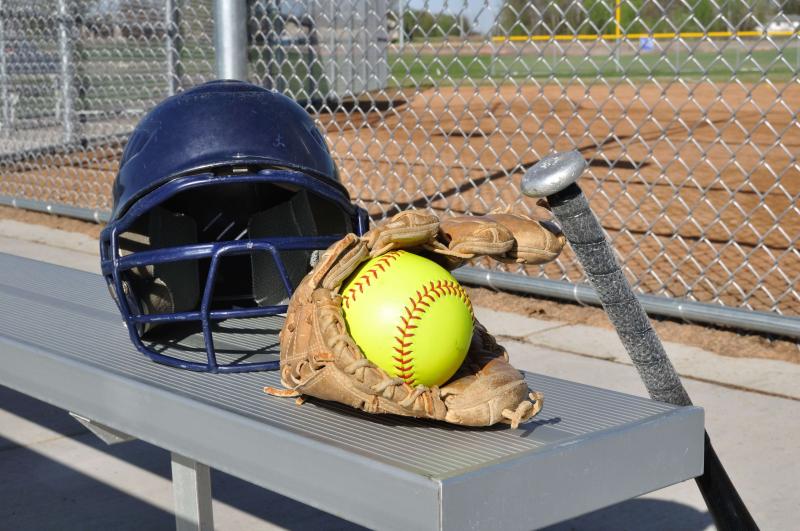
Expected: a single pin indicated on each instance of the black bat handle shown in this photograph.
(594, 252)
(721, 497)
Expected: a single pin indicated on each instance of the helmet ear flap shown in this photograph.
(167, 287)
(285, 219)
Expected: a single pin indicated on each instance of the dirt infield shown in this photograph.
(656, 152)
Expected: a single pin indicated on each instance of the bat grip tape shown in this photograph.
(595, 254)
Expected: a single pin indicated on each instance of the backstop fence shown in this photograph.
(687, 112)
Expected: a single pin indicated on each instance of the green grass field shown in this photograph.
(119, 76)
(427, 69)
(410, 70)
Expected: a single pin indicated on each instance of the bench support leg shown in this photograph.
(191, 486)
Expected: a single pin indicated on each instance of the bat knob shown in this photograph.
(552, 174)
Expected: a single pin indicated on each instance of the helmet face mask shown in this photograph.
(203, 253)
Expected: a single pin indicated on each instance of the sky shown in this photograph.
(481, 13)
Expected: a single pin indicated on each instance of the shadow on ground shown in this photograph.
(42, 494)
(640, 513)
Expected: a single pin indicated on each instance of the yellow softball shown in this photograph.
(409, 316)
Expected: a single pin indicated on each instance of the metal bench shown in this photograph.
(62, 341)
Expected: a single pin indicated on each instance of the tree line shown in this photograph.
(421, 24)
(595, 17)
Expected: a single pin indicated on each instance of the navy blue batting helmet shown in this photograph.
(223, 194)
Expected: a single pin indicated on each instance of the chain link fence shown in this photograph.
(687, 112)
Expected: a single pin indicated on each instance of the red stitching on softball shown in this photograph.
(414, 311)
(364, 280)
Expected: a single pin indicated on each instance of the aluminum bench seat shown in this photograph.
(62, 341)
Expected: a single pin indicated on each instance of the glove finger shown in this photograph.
(535, 242)
(408, 229)
(338, 262)
(470, 236)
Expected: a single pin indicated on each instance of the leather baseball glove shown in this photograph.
(320, 359)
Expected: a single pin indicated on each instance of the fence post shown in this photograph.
(174, 45)
(230, 38)
(66, 26)
(5, 126)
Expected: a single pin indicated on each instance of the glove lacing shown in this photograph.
(525, 410)
(341, 340)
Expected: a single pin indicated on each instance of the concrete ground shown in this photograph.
(56, 475)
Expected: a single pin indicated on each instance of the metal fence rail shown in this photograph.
(686, 111)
